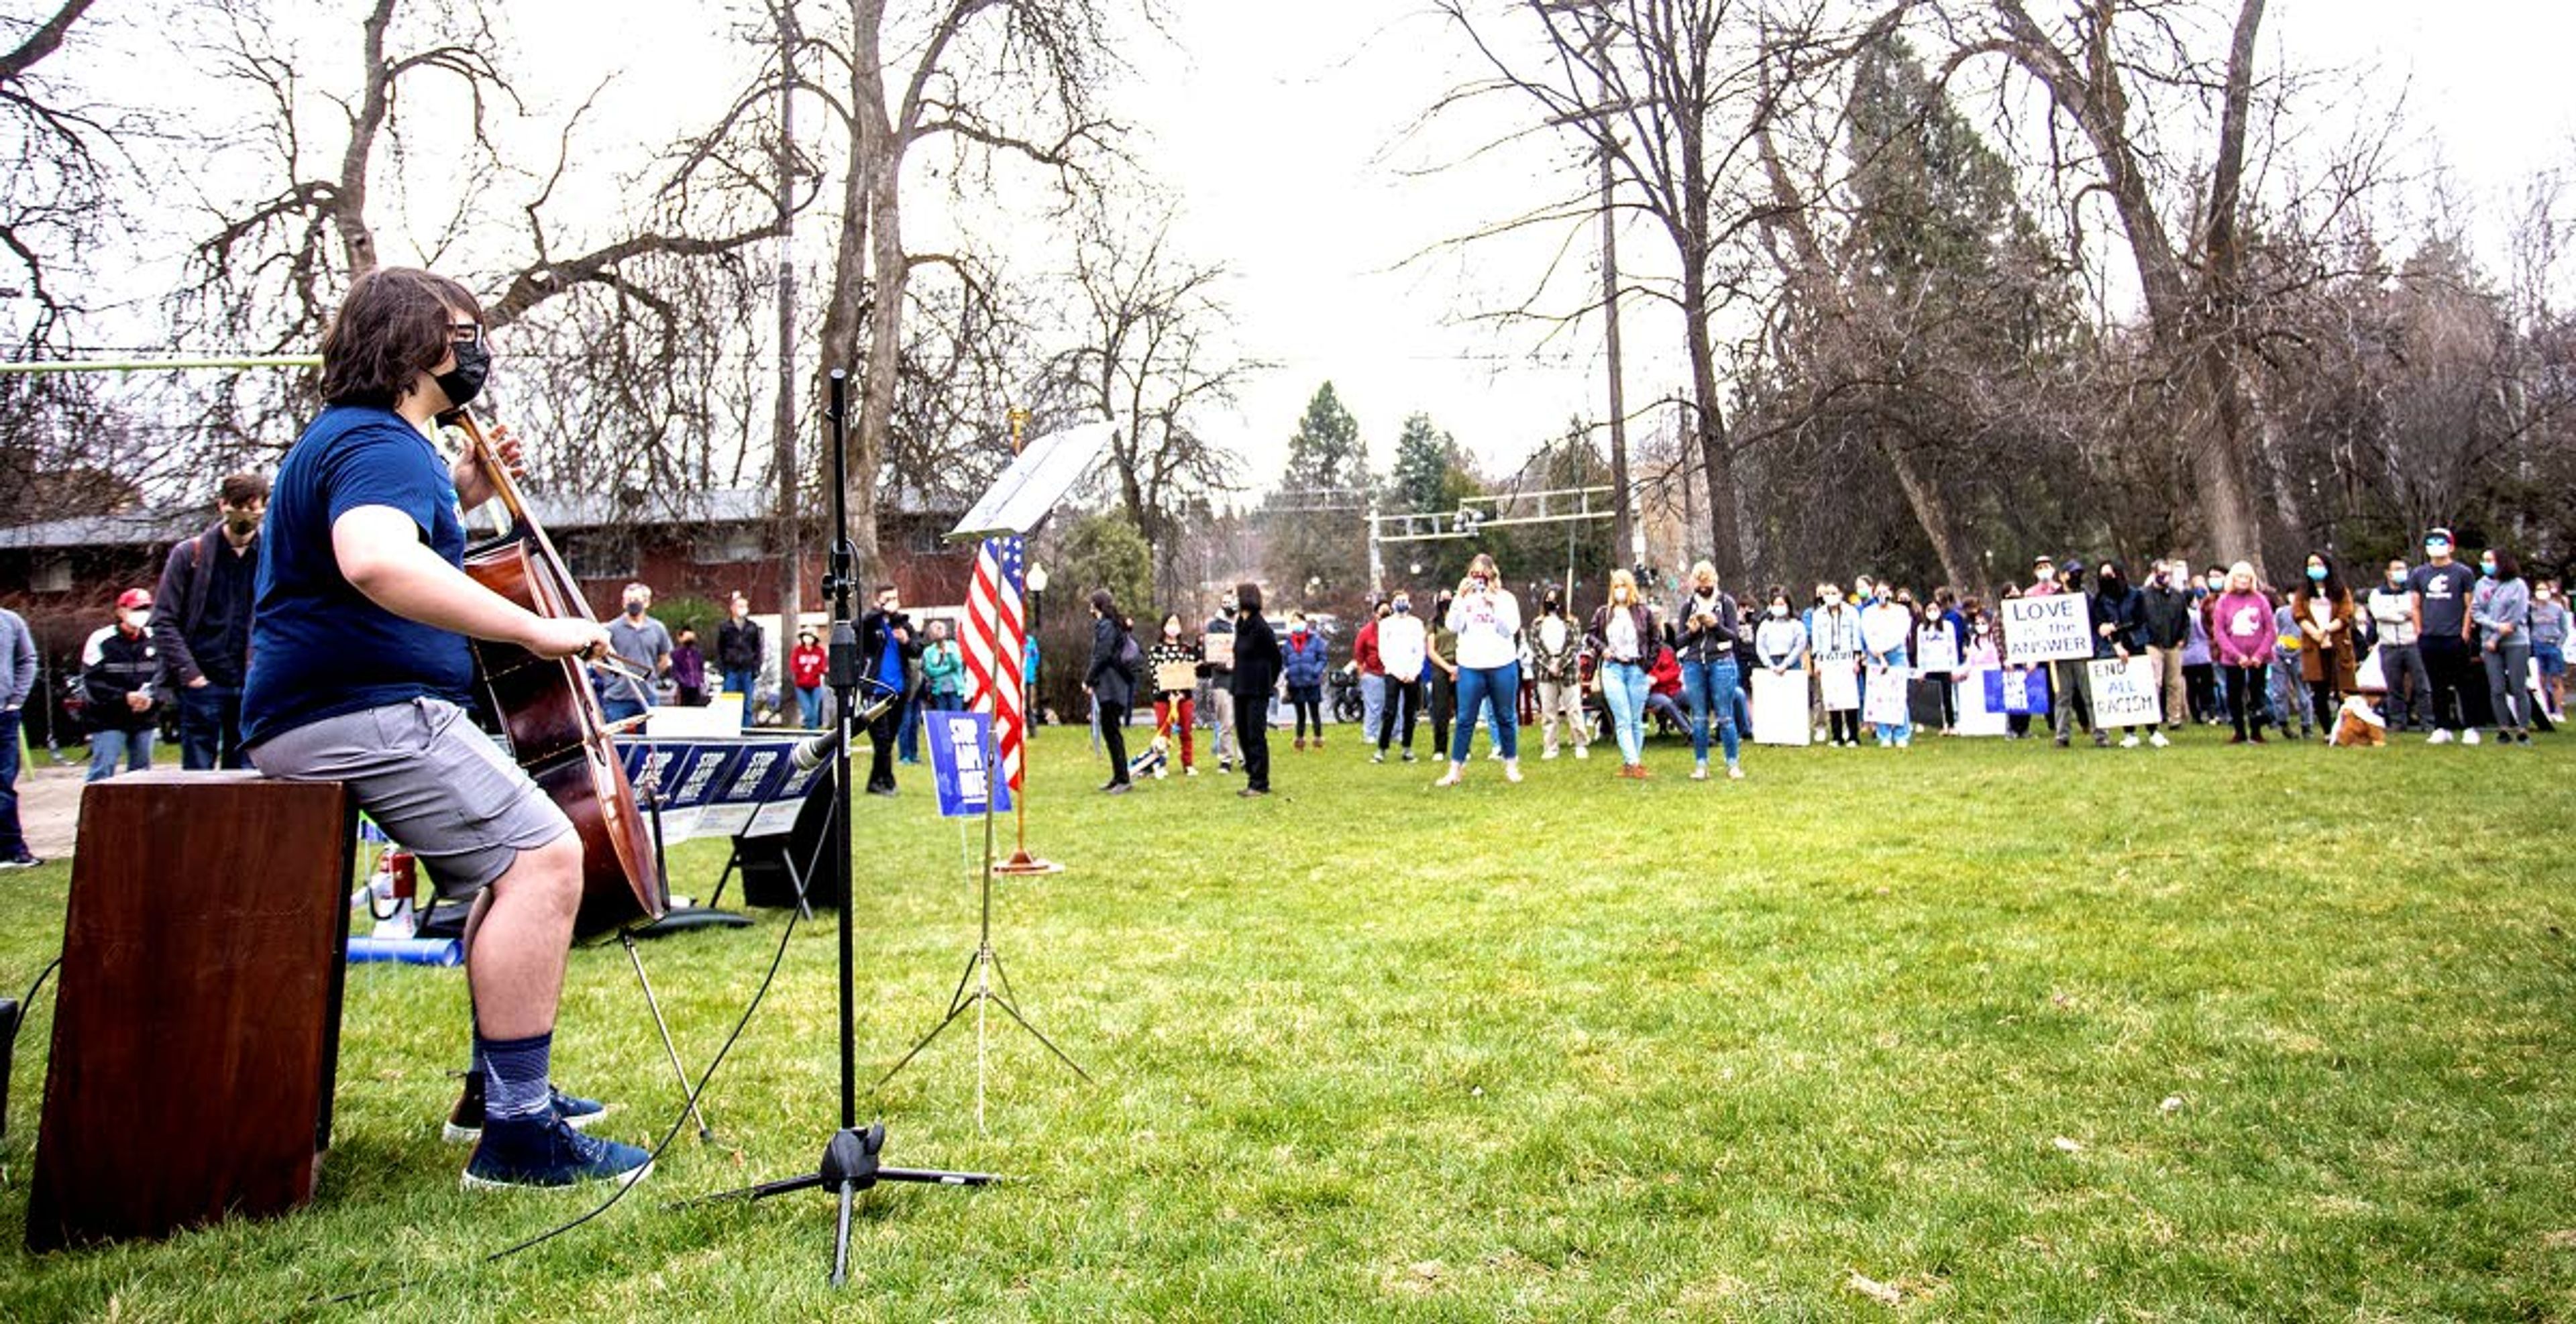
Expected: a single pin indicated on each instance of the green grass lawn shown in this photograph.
(1971, 1031)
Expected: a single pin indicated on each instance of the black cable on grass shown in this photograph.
(776, 960)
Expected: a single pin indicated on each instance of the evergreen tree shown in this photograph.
(1318, 555)
(1425, 457)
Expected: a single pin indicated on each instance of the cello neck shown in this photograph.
(505, 489)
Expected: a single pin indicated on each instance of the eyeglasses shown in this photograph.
(465, 333)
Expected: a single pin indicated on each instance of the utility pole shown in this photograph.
(1624, 528)
(789, 527)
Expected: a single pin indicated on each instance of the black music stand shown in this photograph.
(850, 1157)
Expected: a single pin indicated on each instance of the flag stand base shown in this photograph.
(1022, 863)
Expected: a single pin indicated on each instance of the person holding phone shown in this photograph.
(1487, 619)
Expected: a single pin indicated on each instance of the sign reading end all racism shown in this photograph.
(2048, 628)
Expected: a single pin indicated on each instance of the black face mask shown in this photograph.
(465, 381)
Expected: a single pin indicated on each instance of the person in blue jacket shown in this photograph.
(1304, 654)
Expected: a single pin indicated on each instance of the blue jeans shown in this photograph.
(1501, 688)
(13, 841)
(907, 729)
(809, 702)
(107, 747)
(744, 682)
(210, 728)
(1710, 690)
(1372, 707)
(1624, 686)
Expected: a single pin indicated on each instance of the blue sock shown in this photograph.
(514, 1076)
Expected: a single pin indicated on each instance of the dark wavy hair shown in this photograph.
(392, 327)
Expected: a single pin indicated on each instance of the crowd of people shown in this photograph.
(2435, 647)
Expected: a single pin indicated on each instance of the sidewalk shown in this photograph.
(49, 806)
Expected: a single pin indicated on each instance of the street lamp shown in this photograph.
(1037, 578)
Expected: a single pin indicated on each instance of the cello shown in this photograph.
(546, 708)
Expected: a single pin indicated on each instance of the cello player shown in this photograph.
(360, 673)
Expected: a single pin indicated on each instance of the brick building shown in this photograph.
(64, 575)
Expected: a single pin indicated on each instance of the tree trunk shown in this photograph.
(1959, 563)
(1623, 527)
(861, 288)
(1708, 423)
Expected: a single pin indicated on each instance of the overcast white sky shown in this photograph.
(1278, 130)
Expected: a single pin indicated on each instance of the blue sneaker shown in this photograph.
(546, 1154)
(465, 1120)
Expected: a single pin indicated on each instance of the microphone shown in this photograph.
(810, 755)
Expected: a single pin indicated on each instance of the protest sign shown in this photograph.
(1936, 653)
(1884, 700)
(960, 744)
(2017, 693)
(1976, 716)
(2125, 693)
(1780, 708)
(1839, 683)
(2048, 628)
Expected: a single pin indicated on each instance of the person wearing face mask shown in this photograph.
(1834, 645)
(2242, 634)
(1486, 619)
(2440, 590)
(361, 674)
(1943, 629)
(887, 649)
(1174, 657)
(1556, 670)
(807, 664)
(2164, 606)
(2391, 607)
(119, 665)
(1886, 628)
(943, 672)
(1780, 641)
(1371, 669)
(2500, 608)
(1216, 641)
(1305, 661)
(738, 653)
(645, 644)
(2549, 644)
(1404, 650)
(1110, 680)
(2119, 616)
(2065, 675)
(1706, 646)
(1256, 671)
(1622, 639)
(202, 624)
(2328, 651)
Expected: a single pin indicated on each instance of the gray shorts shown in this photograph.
(435, 783)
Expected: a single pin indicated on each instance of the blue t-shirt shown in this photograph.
(319, 647)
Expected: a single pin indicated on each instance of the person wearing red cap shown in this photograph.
(118, 666)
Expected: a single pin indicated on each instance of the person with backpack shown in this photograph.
(1111, 682)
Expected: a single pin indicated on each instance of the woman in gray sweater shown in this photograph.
(2500, 607)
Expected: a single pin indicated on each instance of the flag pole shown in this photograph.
(1021, 862)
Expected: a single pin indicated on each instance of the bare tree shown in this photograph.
(1675, 91)
(269, 274)
(1152, 357)
(2187, 243)
(992, 77)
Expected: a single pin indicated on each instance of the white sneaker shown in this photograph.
(1548, 753)
(1699, 772)
(2129, 741)
(1905, 742)
(1511, 770)
(2440, 736)
(2469, 737)
(1583, 751)
(1820, 736)
(2158, 740)
(1734, 773)
(1190, 771)
(1161, 774)
(1449, 778)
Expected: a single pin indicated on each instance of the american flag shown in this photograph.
(996, 635)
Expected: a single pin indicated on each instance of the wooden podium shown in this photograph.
(198, 1020)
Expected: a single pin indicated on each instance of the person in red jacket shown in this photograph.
(805, 667)
(1664, 690)
(1371, 668)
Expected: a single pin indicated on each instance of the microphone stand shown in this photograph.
(850, 1163)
